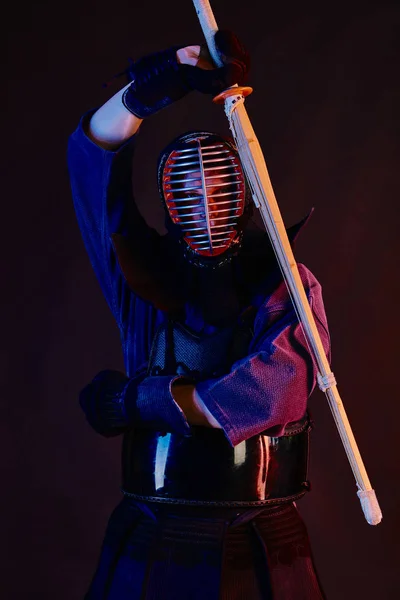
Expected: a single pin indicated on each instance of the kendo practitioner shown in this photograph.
(213, 404)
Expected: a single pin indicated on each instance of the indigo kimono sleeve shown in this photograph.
(270, 387)
(113, 403)
(102, 193)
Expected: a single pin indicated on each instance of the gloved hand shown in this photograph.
(235, 69)
(158, 79)
(109, 402)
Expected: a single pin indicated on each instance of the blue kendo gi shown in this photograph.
(169, 549)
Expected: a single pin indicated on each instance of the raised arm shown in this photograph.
(100, 155)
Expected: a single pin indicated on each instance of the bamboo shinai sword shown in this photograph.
(263, 196)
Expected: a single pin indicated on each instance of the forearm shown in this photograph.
(112, 124)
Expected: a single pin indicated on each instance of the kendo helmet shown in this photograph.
(203, 188)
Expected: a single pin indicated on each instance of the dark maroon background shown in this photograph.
(325, 109)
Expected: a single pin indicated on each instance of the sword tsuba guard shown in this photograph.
(233, 91)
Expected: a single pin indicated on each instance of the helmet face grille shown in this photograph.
(204, 191)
